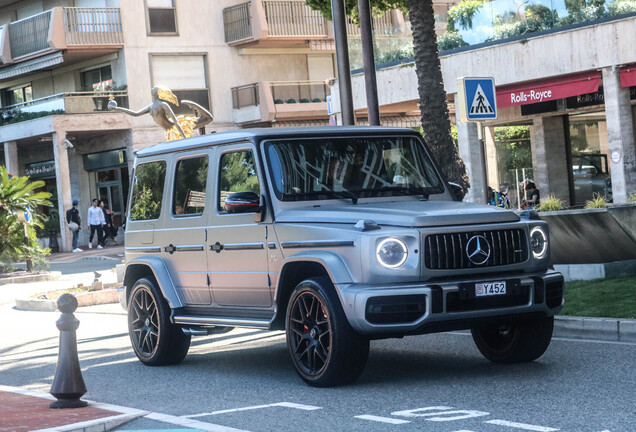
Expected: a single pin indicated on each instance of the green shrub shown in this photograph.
(304, 100)
(278, 101)
(618, 7)
(316, 100)
(290, 101)
(450, 40)
(552, 203)
(598, 201)
(631, 197)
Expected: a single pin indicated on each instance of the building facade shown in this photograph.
(565, 78)
(250, 63)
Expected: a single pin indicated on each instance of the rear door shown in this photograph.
(184, 239)
(237, 253)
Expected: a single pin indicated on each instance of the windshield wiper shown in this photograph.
(353, 196)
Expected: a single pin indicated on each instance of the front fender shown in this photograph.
(137, 268)
(334, 264)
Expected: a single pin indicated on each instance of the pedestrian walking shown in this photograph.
(74, 222)
(96, 221)
(110, 230)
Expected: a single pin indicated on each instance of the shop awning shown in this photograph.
(628, 76)
(546, 90)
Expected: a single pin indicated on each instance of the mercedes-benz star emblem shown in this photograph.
(478, 250)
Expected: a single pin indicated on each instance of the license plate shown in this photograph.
(490, 289)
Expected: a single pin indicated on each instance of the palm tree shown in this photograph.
(435, 117)
(17, 194)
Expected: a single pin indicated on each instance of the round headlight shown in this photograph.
(392, 252)
(538, 242)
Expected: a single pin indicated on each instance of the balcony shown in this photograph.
(81, 32)
(289, 24)
(62, 103)
(269, 101)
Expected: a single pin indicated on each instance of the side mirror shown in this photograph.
(456, 191)
(242, 202)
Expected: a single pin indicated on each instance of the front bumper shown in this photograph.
(394, 310)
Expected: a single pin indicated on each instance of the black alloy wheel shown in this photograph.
(155, 340)
(311, 333)
(515, 342)
(324, 348)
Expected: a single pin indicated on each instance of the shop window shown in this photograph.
(162, 17)
(238, 174)
(148, 191)
(190, 186)
(99, 79)
(185, 75)
(513, 167)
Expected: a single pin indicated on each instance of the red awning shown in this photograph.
(546, 90)
(628, 77)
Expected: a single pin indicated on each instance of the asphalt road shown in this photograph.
(244, 380)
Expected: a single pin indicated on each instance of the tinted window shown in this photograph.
(238, 174)
(147, 192)
(314, 169)
(189, 186)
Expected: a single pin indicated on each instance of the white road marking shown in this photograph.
(382, 419)
(521, 426)
(194, 424)
(255, 407)
(442, 414)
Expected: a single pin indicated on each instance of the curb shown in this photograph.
(44, 277)
(604, 329)
(90, 298)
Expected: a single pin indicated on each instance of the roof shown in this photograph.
(259, 134)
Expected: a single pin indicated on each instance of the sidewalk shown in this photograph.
(25, 410)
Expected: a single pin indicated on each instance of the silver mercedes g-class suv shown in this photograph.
(337, 235)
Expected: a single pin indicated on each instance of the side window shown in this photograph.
(237, 174)
(147, 192)
(189, 186)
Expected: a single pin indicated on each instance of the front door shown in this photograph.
(237, 253)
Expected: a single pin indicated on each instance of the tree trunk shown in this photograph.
(430, 86)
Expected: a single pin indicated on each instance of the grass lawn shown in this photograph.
(611, 298)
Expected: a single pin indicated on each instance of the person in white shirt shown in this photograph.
(96, 221)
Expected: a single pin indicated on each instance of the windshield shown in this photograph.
(320, 169)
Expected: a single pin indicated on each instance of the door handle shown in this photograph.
(216, 247)
(170, 249)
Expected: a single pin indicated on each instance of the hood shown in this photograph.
(401, 213)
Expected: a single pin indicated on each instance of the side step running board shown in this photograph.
(226, 322)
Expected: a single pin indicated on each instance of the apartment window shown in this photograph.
(185, 75)
(162, 17)
(19, 94)
(97, 79)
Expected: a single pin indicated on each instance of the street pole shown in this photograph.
(370, 83)
(342, 59)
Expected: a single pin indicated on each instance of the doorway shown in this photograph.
(112, 187)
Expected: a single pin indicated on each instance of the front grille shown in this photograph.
(448, 251)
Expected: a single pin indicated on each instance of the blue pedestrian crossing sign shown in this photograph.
(476, 99)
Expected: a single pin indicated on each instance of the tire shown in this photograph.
(155, 340)
(324, 348)
(519, 342)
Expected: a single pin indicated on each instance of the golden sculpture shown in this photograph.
(176, 127)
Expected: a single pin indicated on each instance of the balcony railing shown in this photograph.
(62, 28)
(299, 91)
(93, 26)
(293, 18)
(245, 96)
(288, 19)
(30, 35)
(237, 22)
(62, 103)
